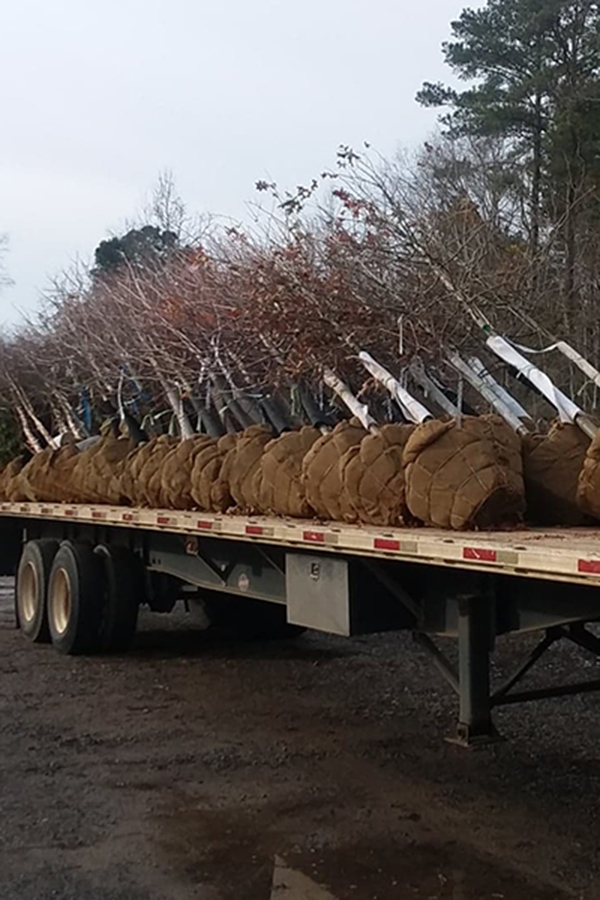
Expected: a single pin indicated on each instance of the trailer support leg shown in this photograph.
(475, 726)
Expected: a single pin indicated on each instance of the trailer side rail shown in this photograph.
(570, 555)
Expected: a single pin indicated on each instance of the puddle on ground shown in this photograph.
(262, 856)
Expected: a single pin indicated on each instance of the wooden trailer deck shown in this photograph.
(568, 554)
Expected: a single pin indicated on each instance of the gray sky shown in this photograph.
(97, 98)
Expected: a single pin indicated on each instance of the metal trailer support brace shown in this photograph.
(475, 727)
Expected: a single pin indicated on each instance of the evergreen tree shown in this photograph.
(534, 66)
(10, 441)
(137, 246)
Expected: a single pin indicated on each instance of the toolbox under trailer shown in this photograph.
(83, 570)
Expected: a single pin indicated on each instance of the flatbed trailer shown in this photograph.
(83, 570)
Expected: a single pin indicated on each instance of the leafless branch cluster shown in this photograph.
(401, 258)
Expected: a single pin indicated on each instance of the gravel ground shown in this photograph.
(194, 767)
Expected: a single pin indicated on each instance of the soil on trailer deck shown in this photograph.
(201, 767)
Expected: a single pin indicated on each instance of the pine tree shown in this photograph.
(534, 68)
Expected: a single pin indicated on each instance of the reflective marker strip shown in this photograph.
(386, 544)
(163, 520)
(98, 514)
(259, 531)
(70, 512)
(127, 517)
(479, 553)
(320, 537)
(590, 566)
(204, 524)
(315, 537)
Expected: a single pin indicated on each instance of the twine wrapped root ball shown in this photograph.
(149, 477)
(467, 476)
(242, 464)
(209, 486)
(176, 472)
(97, 476)
(588, 488)
(372, 474)
(279, 487)
(321, 468)
(130, 472)
(48, 476)
(10, 481)
(552, 464)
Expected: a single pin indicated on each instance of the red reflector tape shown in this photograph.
(254, 529)
(201, 523)
(69, 512)
(591, 566)
(163, 520)
(96, 514)
(127, 517)
(386, 544)
(316, 537)
(479, 553)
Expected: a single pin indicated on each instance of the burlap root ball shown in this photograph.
(241, 466)
(321, 468)
(176, 472)
(279, 487)
(97, 475)
(149, 477)
(10, 481)
(209, 487)
(372, 475)
(552, 464)
(588, 488)
(130, 471)
(465, 476)
(48, 476)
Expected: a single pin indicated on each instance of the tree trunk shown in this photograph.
(536, 178)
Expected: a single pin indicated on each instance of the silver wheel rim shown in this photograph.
(29, 593)
(61, 602)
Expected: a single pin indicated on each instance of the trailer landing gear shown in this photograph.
(477, 699)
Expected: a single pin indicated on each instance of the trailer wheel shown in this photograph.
(123, 588)
(32, 588)
(75, 599)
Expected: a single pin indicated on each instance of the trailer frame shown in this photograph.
(343, 579)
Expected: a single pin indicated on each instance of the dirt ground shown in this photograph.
(197, 767)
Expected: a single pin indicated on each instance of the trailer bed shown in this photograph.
(567, 554)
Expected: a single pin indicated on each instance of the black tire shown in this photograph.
(123, 588)
(75, 595)
(31, 592)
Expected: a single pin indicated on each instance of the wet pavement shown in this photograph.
(200, 767)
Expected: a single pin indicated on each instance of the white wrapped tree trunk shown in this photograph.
(487, 393)
(411, 408)
(358, 409)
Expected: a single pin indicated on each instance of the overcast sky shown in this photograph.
(97, 98)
